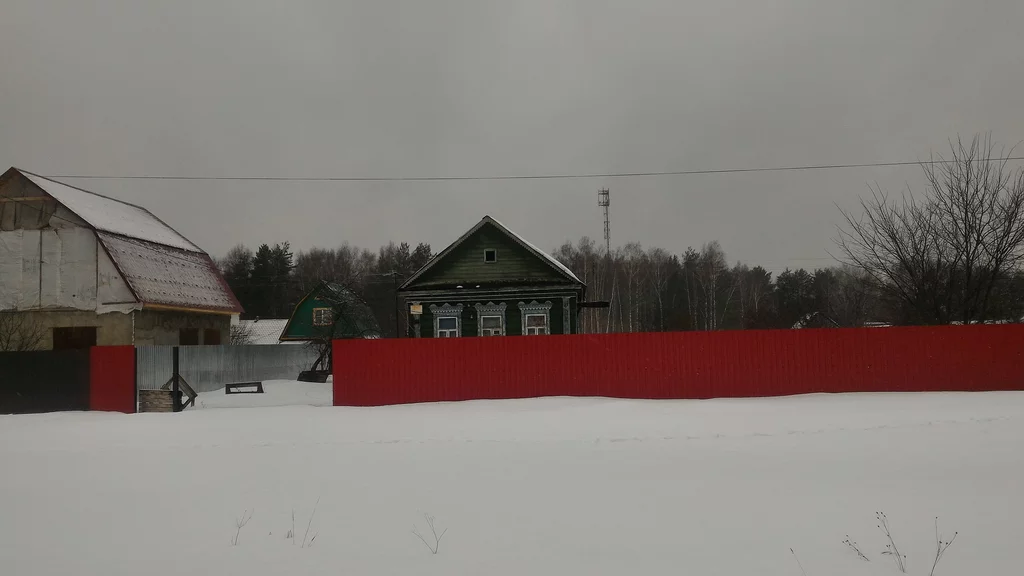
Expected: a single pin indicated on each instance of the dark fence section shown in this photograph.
(681, 364)
(44, 381)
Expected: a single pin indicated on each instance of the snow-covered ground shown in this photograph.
(552, 486)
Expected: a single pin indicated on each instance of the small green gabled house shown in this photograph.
(313, 317)
(492, 282)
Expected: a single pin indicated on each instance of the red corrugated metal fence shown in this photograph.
(112, 379)
(680, 364)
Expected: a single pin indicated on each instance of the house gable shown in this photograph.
(465, 263)
(301, 327)
(64, 247)
(26, 206)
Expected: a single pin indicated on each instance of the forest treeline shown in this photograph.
(950, 252)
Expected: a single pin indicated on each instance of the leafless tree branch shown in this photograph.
(943, 255)
(18, 333)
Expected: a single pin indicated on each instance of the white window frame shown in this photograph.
(533, 330)
(320, 323)
(499, 331)
(447, 311)
(447, 332)
(535, 308)
(486, 250)
(490, 310)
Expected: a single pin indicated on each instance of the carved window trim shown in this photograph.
(447, 311)
(535, 308)
(490, 309)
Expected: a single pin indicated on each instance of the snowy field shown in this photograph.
(535, 487)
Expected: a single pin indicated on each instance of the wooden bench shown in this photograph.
(244, 388)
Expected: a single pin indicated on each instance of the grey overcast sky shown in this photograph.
(481, 88)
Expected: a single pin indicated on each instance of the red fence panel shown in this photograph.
(112, 379)
(680, 364)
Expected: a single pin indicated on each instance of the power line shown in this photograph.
(515, 176)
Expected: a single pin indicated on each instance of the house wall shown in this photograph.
(141, 328)
(49, 258)
(563, 307)
(113, 329)
(162, 327)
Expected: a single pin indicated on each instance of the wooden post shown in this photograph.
(175, 386)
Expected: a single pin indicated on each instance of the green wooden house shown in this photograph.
(313, 317)
(492, 282)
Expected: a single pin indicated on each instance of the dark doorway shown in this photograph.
(211, 337)
(76, 338)
(188, 337)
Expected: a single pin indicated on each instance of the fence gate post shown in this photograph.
(175, 386)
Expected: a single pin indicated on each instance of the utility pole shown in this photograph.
(604, 200)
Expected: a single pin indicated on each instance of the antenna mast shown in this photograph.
(603, 200)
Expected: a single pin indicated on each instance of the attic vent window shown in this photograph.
(490, 255)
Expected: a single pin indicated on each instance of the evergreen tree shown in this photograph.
(262, 279)
(282, 296)
(795, 292)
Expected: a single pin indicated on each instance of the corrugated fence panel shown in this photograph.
(208, 368)
(680, 365)
(112, 379)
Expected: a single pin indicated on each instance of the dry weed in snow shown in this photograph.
(433, 532)
(940, 546)
(853, 546)
(240, 523)
(890, 548)
(802, 571)
(308, 543)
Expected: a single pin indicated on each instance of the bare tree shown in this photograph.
(711, 270)
(18, 333)
(660, 264)
(633, 264)
(943, 257)
(242, 334)
(350, 317)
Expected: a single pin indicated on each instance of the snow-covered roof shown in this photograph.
(562, 268)
(165, 276)
(111, 215)
(263, 331)
(815, 320)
